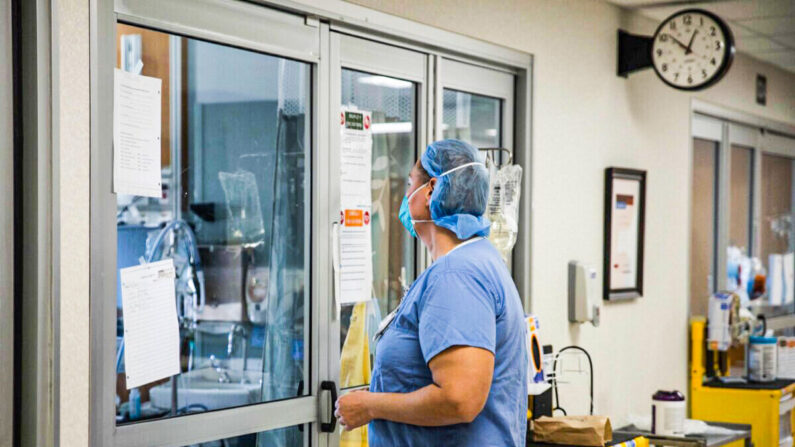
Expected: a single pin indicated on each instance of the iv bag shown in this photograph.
(244, 223)
(505, 188)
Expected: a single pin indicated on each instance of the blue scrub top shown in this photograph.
(466, 298)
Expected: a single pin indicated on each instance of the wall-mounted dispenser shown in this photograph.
(584, 295)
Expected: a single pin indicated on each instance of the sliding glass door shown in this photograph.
(237, 216)
(390, 85)
(741, 214)
(477, 105)
(252, 109)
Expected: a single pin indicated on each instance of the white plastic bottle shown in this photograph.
(135, 404)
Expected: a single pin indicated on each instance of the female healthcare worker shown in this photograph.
(451, 362)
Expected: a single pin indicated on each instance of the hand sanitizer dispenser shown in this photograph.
(583, 294)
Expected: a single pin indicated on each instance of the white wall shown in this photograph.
(585, 119)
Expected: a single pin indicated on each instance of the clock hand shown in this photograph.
(690, 44)
(678, 42)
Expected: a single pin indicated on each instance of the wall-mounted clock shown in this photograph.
(691, 50)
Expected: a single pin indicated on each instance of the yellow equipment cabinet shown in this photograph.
(767, 407)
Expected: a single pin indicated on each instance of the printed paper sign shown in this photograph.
(136, 135)
(624, 243)
(355, 243)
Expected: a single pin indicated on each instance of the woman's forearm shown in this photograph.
(429, 406)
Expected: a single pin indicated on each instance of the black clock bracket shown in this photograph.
(634, 53)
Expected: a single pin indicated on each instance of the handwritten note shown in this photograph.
(151, 329)
(136, 135)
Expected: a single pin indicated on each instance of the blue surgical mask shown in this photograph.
(405, 214)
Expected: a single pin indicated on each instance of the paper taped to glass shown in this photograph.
(355, 240)
(151, 327)
(136, 135)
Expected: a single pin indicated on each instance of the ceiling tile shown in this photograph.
(728, 10)
(761, 44)
(636, 3)
(781, 58)
(659, 13)
(770, 25)
(746, 9)
(786, 39)
(738, 30)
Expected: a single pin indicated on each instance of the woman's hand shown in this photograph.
(352, 409)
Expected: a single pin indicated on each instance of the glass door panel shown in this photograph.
(740, 199)
(391, 83)
(476, 119)
(777, 196)
(393, 103)
(703, 223)
(477, 104)
(477, 107)
(234, 216)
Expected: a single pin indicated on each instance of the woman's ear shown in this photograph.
(429, 189)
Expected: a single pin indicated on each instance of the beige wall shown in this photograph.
(585, 119)
(71, 165)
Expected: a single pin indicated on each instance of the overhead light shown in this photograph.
(383, 81)
(491, 132)
(391, 127)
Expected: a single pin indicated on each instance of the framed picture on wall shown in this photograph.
(625, 203)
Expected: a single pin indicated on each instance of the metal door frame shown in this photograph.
(512, 89)
(356, 53)
(8, 81)
(235, 24)
(728, 129)
(243, 24)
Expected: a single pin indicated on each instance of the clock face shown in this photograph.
(692, 49)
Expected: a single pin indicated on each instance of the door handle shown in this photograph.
(329, 427)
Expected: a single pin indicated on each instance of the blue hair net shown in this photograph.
(459, 198)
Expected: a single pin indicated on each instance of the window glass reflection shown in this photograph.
(777, 232)
(702, 224)
(740, 184)
(740, 264)
(475, 119)
(234, 217)
(393, 106)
